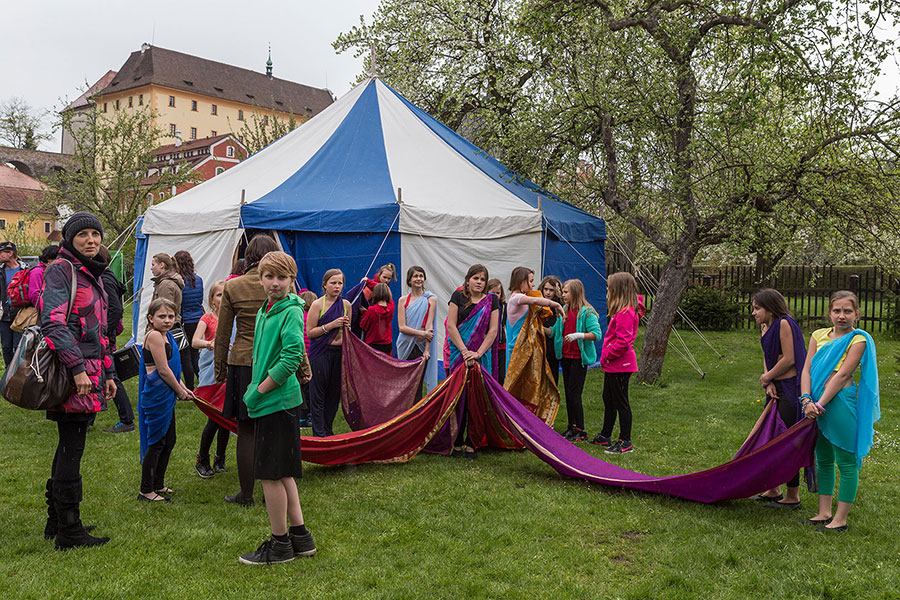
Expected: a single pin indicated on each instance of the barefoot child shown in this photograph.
(272, 400)
(159, 388)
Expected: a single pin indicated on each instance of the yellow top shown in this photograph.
(821, 337)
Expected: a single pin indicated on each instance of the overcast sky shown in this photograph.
(50, 48)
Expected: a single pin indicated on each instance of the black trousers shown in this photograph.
(156, 461)
(552, 361)
(325, 390)
(72, 432)
(788, 412)
(413, 355)
(574, 374)
(206, 439)
(615, 402)
(501, 365)
(190, 357)
(386, 348)
(9, 339)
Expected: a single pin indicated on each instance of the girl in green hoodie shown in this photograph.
(272, 400)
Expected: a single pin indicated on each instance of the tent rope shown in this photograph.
(377, 252)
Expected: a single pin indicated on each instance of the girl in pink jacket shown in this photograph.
(618, 360)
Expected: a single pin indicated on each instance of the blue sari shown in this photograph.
(512, 334)
(473, 331)
(156, 400)
(416, 313)
(850, 417)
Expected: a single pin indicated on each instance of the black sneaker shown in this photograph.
(239, 499)
(601, 440)
(120, 427)
(219, 464)
(568, 433)
(203, 468)
(270, 552)
(303, 545)
(578, 435)
(620, 447)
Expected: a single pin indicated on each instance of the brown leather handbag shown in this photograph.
(36, 379)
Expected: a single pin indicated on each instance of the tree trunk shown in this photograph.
(672, 284)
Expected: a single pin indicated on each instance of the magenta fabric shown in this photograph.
(36, 283)
(375, 387)
(760, 469)
(617, 354)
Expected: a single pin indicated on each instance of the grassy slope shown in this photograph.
(504, 526)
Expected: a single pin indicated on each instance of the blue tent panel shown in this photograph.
(345, 186)
(569, 222)
(140, 259)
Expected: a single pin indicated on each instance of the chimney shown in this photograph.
(144, 47)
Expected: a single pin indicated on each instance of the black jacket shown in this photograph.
(115, 289)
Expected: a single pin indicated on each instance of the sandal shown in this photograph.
(761, 498)
(143, 498)
(165, 490)
(456, 453)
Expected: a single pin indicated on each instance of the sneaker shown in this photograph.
(120, 427)
(620, 447)
(305, 423)
(303, 545)
(569, 432)
(601, 440)
(238, 499)
(578, 435)
(219, 464)
(270, 552)
(203, 468)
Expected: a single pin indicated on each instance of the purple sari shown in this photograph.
(317, 346)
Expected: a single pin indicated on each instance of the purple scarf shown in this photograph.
(317, 346)
(771, 345)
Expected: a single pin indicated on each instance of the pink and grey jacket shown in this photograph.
(81, 343)
(617, 355)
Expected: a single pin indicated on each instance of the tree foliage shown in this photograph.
(114, 175)
(21, 125)
(262, 127)
(700, 122)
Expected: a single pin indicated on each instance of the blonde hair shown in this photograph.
(329, 274)
(577, 297)
(212, 293)
(621, 292)
(279, 264)
(155, 307)
(842, 295)
(388, 267)
(496, 283)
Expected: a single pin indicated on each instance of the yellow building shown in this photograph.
(202, 98)
(20, 221)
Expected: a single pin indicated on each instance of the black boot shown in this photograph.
(219, 464)
(71, 533)
(52, 525)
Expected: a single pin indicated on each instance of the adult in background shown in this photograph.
(80, 344)
(115, 291)
(36, 275)
(241, 300)
(167, 283)
(191, 312)
(9, 339)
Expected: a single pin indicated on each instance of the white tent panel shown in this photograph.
(446, 261)
(212, 252)
(444, 194)
(215, 204)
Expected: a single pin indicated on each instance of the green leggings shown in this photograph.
(827, 454)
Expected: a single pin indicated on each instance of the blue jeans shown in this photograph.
(10, 341)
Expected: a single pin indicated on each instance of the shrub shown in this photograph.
(710, 308)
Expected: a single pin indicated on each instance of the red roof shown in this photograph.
(18, 191)
(85, 99)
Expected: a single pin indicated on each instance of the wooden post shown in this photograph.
(243, 197)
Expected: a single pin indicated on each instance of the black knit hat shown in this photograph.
(79, 221)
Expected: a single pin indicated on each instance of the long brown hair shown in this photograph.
(518, 276)
(329, 274)
(772, 302)
(472, 272)
(557, 287)
(496, 283)
(184, 264)
(259, 246)
(381, 292)
(621, 292)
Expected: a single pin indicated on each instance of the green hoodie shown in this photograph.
(277, 353)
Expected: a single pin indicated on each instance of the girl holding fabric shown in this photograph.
(496, 287)
(204, 340)
(845, 412)
(376, 319)
(574, 337)
(783, 353)
(325, 323)
(521, 282)
(415, 315)
(472, 322)
(159, 388)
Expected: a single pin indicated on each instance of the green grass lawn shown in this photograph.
(503, 526)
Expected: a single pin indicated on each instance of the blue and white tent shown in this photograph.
(373, 179)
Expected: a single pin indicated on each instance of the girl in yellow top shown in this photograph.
(845, 412)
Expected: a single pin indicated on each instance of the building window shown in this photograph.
(171, 100)
(229, 151)
(214, 110)
(2, 223)
(130, 101)
(21, 225)
(220, 170)
(104, 107)
(213, 133)
(172, 129)
(117, 105)
(194, 105)
(47, 227)
(240, 115)
(140, 99)
(193, 133)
